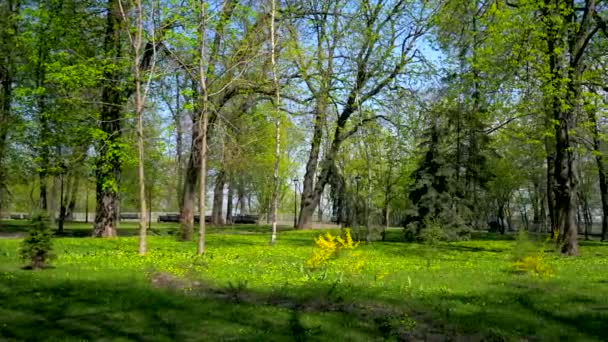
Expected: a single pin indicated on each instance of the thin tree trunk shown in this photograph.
(551, 195)
(604, 194)
(203, 106)
(241, 200)
(53, 199)
(368, 199)
(230, 199)
(277, 142)
(62, 207)
(136, 42)
(74, 187)
(179, 142)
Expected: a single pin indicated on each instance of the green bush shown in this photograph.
(36, 248)
(529, 257)
(433, 232)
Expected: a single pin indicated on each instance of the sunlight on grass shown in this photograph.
(468, 288)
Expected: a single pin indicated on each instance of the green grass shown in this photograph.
(244, 289)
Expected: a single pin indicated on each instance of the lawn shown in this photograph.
(245, 289)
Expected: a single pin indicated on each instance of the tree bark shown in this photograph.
(74, 187)
(203, 103)
(277, 142)
(179, 141)
(139, 113)
(8, 28)
(604, 194)
(230, 199)
(108, 164)
(565, 179)
(601, 170)
(43, 127)
(186, 218)
(550, 192)
(309, 197)
(218, 198)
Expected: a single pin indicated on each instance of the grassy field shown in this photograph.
(245, 289)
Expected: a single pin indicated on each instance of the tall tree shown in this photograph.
(110, 144)
(381, 43)
(140, 93)
(203, 107)
(277, 104)
(569, 29)
(9, 11)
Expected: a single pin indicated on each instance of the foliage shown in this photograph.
(328, 246)
(433, 232)
(37, 247)
(530, 257)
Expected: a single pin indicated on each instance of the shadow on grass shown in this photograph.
(451, 247)
(56, 309)
(173, 309)
(532, 310)
(396, 235)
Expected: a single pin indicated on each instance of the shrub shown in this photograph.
(435, 229)
(529, 257)
(36, 248)
(432, 233)
(535, 264)
(327, 246)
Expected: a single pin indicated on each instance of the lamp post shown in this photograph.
(295, 203)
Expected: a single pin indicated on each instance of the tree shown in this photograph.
(9, 10)
(110, 146)
(140, 94)
(277, 104)
(379, 51)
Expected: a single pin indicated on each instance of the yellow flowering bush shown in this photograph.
(327, 246)
(528, 257)
(535, 264)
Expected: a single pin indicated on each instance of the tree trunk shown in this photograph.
(604, 193)
(62, 207)
(241, 200)
(277, 138)
(601, 170)
(550, 195)
(186, 218)
(42, 199)
(53, 208)
(501, 219)
(74, 187)
(218, 198)
(203, 102)
(230, 199)
(179, 142)
(565, 189)
(8, 26)
(112, 100)
(309, 197)
(579, 217)
(136, 39)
